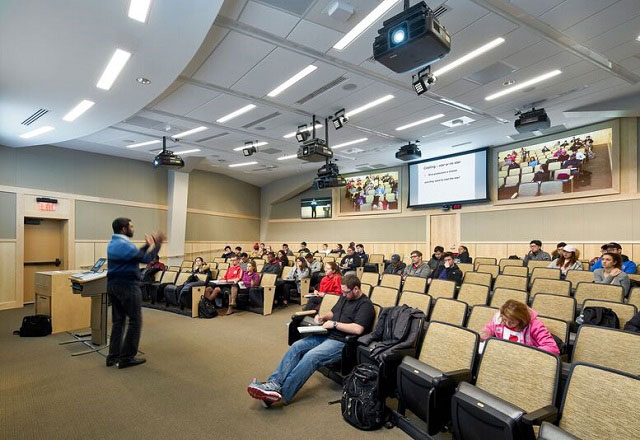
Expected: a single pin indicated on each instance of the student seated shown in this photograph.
(303, 248)
(353, 314)
(200, 266)
(351, 260)
(156, 264)
(448, 270)
(256, 252)
(338, 249)
(567, 261)
(595, 260)
(463, 255)
(436, 258)
(315, 269)
(325, 249)
(227, 252)
(244, 260)
(250, 278)
(536, 253)
(329, 284)
(518, 323)
(417, 268)
(292, 281)
(361, 253)
(558, 252)
(288, 252)
(628, 266)
(611, 272)
(396, 266)
(271, 265)
(233, 275)
(238, 251)
(282, 259)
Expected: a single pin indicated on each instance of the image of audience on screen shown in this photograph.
(571, 164)
(378, 191)
(319, 207)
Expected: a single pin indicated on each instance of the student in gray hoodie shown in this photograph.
(611, 272)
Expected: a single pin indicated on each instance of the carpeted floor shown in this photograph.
(192, 386)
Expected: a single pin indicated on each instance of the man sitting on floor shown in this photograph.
(353, 314)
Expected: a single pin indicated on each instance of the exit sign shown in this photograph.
(46, 204)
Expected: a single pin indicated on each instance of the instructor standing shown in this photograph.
(123, 287)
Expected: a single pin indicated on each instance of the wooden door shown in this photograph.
(443, 232)
(43, 250)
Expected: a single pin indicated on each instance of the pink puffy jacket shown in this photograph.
(535, 334)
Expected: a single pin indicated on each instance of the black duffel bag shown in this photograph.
(362, 405)
(35, 325)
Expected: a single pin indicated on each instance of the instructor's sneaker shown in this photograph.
(111, 362)
(126, 363)
(267, 392)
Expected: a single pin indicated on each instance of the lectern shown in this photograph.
(94, 286)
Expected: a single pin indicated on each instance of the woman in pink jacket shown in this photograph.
(518, 323)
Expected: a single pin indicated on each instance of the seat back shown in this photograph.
(579, 276)
(473, 294)
(223, 266)
(493, 269)
(535, 263)
(450, 311)
(449, 347)
(604, 292)
(219, 260)
(477, 278)
(465, 267)
(391, 280)
(328, 301)
(510, 282)
(608, 347)
(555, 306)
(484, 260)
(557, 328)
(417, 300)
(531, 391)
(442, 289)
(222, 273)
(370, 278)
(182, 278)
(634, 297)
(268, 279)
(554, 287)
(415, 284)
(545, 272)
(504, 262)
(328, 259)
(285, 271)
(376, 258)
(202, 277)
(552, 187)
(479, 317)
(519, 271)
(384, 296)
(624, 311)
(502, 295)
(616, 409)
(158, 276)
(366, 288)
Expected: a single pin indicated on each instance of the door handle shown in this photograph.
(58, 262)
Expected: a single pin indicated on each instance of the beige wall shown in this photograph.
(93, 219)
(216, 192)
(7, 215)
(202, 227)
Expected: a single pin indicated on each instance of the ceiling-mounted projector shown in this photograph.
(532, 120)
(315, 150)
(409, 152)
(328, 177)
(411, 40)
(166, 158)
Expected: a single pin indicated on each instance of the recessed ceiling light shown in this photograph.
(78, 110)
(143, 80)
(292, 134)
(638, 38)
(242, 164)
(369, 105)
(421, 121)
(291, 156)
(36, 132)
(192, 131)
(138, 10)
(291, 81)
(236, 113)
(346, 144)
(194, 150)
(509, 82)
(142, 144)
(113, 69)
(524, 84)
(364, 24)
(256, 144)
(468, 57)
(457, 122)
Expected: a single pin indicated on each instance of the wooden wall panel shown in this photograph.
(8, 267)
(85, 255)
(443, 231)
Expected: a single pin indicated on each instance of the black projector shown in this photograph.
(409, 152)
(411, 40)
(532, 120)
(166, 159)
(328, 177)
(315, 150)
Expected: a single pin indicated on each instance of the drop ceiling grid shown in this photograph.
(268, 19)
(601, 22)
(186, 99)
(315, 36)
(538, 7)
(572, 12)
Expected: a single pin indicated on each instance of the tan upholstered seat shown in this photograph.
(555, 306)
(442, 289)
(465, 267)
(390, 280)
(366, 288)
(624, 311)
(608, 347)
(449, 310)
(557, 328)
(484, 260)
(473, 294)
(480, 316)
(477, 278)
(223, 266)
(634, 297)
(186, 265)
(219, 260)
(493, 269)
(510, 282)
(285, 271)
(535, 263)
(544, 272)
(328, 301)
(370, 278)
(554, 287)
(502, 295)
(182, 278)
(415, 284)
(604, 292)
(448, 347)
(579, 276)
(504, 262)
(417, 300)
(519, 271)
(384, 296)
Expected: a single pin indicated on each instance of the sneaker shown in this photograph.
(266, 404)
(269, 392)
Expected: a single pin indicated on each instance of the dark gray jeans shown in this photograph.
(126, 302)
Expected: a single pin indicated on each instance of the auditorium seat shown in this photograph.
(442, 289)
(171, 289)
(608, 347)
(391, 280)
(528, 188)
(554, 287)
(634, 297)
(504, 403)
(512, 181)
(477, 278)
(465, 267)
(527, 170)
(285, 271)
(417, 300)
(604, 292)
(484, 260)
(501, 295)
(479, 317)
(552, 187)
(544, 272)
(493, 269)
(366, 288)
(514, 171)
(519, 271)
(504, 262)
(578, 276)
(534, 263)
(504, 173)
(222, 266)
(559, 329)
(219, 260)
(624, 311)
(384, 296)
(370, 278)
(555, 306)
(510, 282)
(377, 259)
(157, 291)
(553, 166)
(449, 310)
(473, 294)
(526, 178)
(415, 284)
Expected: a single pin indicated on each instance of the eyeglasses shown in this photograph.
(415, 256)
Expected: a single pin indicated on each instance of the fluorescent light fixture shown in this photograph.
(346, 144)
(256, 144)
(242, 164)
(468, 57)
(237, 113)
(292, 134)
(78, 110)
(291, 81)
(142, 144)
(638, 38)
(369, 105)
(456, 104)
(188, 132)
(138, 10)
(113, 69)
(364, 24)
(36, 132)
(194, 150)
(421, 121)
(291, 156)
(524, 85)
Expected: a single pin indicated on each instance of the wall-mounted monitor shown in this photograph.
(319, 207)
(457, 178)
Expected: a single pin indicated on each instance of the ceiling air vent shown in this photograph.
(441, 10)
(34, 117)
(322, 89)
(258, 121)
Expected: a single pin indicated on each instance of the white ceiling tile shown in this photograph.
(337, 94)
(268, 19)
(604, 21)
(462, 14)
(617, 35)
(570, 12)
(185, 99)
(315, 36)
(536, 7)
(361, 8)
(324, 74)
(232, 8)
(532, 54)
(221, 106)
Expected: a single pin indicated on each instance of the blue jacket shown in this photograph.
(123, 259)
(628, 266)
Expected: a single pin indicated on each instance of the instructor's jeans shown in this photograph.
(126, 302)
(301, 360)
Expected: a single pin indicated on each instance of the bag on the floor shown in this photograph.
(36, 325)
(206, 309)
(361, 403)
(600, 316)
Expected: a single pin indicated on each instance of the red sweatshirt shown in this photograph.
(330, 284)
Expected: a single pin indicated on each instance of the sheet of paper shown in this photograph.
(312, 329)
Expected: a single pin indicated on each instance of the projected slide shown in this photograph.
(458, 178)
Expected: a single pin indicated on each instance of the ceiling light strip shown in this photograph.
(292, 134)
(37, 131)
(236, 113)
(242, 164)
(421, 121)
(346, 144)
(116, 64)
(194, 150)
(138, 10)
(142, 144)
(291, 81)
(78, 110)
(189, 132)
(255, 144)
(468, 57)
(369, 105)
(524, 84)
(291, 156)
(364, 24)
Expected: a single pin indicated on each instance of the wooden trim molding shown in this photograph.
(221, 214)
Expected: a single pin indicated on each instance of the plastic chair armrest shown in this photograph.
(547, 414)
(463, 375)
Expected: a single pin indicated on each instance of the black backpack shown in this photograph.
(361, 403)
(600, 316)
(36, 325)
(206, 308)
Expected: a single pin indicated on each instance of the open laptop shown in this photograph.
(96, 267)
